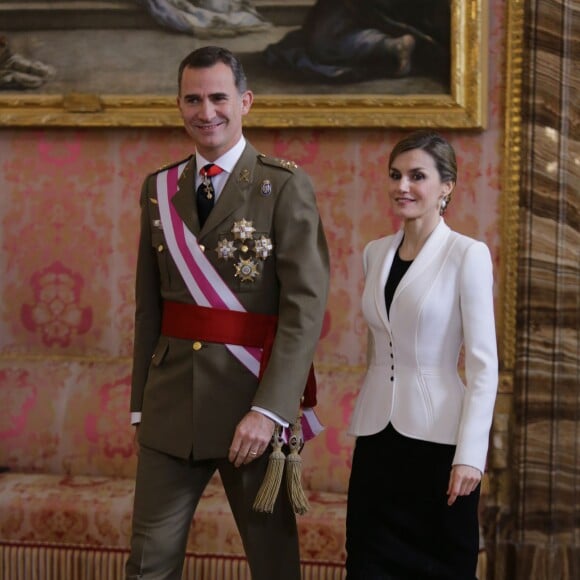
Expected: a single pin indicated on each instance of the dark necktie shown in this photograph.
(205, 195)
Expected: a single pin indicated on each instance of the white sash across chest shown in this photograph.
(204, 283)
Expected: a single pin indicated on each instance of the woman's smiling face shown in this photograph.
(415, 187)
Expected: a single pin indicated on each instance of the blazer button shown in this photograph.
(160, 248)
(392, 379)
(202, 247)
(197, 345)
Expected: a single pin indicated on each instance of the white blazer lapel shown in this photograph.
(386, 260)
(434, 244)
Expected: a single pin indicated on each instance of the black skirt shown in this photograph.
(399, 525)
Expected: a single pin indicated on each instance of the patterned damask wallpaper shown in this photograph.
(69, 219)
(69, 224)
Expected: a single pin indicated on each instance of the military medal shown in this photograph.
(207, 172)
(263, 247)
(247, 270)
(243, 230)
(225, 249)
(245, 242)
(207, 186)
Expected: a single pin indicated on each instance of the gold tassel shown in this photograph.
(296, 494)
(268, 492)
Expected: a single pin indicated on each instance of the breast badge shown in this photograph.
(225, 249)
(243, 229)
(266, 188)
(247, 270)
(263, 247)
(248, 248)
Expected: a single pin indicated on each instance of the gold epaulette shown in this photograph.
(277, 162)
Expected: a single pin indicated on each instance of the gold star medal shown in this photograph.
(243, 230)
(263, 247)
(247, 270)
(225, 249)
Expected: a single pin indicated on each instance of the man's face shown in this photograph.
(212, 108)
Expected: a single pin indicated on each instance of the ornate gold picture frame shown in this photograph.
(461, 107)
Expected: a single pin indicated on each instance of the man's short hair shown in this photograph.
(208, 56)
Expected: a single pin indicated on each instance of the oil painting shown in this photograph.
(310, 63)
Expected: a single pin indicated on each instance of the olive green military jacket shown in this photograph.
(191, 399)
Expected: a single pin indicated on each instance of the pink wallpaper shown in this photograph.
(68, 238)
(69, 222)
(69, 219)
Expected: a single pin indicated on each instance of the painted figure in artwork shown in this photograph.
(204, 18)
(355, 40)
(20, 73)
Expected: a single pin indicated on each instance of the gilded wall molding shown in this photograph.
(509, 206)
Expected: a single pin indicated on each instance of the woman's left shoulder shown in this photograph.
(467, 253)
(463, 243)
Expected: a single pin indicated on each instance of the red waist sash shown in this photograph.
(193, 322)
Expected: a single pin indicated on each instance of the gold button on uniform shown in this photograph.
(197, 345)
(160, 248)
(202, 247)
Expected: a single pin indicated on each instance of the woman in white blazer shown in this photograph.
(422, 433)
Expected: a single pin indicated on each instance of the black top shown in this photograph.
(398, 269)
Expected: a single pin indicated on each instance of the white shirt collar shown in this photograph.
(228, 160)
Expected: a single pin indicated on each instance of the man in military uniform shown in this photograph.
(257, 264)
